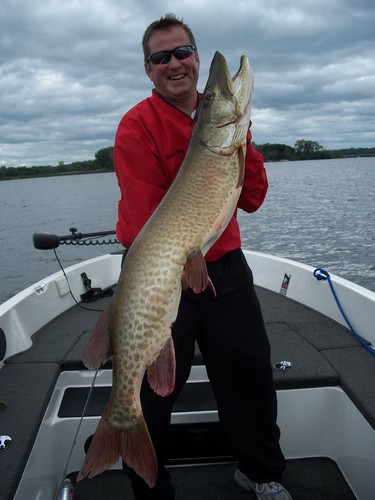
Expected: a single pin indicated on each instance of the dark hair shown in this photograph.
(165, 23)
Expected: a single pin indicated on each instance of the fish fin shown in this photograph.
(133, 445)
(184, 283)
(195, 273)
(98, 349)
(162, 371)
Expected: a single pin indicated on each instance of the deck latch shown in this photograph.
(4, 442)
(283, 365)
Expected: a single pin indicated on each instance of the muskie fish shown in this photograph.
(168, 254)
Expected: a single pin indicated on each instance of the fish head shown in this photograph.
(225, 108)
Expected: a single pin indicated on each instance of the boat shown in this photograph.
(321, 329)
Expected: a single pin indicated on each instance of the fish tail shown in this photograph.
(133, 445)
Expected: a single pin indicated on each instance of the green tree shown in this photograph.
(276, 152)
(307, 148)
(104, 158)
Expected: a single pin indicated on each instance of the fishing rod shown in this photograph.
(49, 241)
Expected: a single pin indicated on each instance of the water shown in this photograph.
(51, 204)
(321, 213)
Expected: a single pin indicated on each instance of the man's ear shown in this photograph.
(148, 70)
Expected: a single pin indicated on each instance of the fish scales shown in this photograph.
(169, 250)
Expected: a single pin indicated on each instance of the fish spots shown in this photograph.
(141, 345)
(193, 213)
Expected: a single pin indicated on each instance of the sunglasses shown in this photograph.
(164, 56)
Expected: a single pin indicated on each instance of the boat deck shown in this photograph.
(322, 353)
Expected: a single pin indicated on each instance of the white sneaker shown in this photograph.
(263, 491)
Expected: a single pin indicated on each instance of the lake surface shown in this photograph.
(321, 213)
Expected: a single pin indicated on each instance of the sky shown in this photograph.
(70, 69)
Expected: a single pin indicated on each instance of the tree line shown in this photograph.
(103, 161)
(308, 150)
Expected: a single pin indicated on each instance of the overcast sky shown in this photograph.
(71, 68)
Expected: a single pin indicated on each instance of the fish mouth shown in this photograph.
(237, 88)
(243, 83)
(225, 107)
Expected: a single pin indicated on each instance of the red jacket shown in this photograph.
(151, 143)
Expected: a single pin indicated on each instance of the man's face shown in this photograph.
(177, 80)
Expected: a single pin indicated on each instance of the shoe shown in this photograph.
(263, 491)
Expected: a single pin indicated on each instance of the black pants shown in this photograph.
(231, 335)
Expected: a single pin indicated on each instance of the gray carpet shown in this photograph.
(307, 479)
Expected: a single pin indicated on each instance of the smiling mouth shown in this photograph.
(177, 77)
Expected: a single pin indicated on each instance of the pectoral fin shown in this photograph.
(161, 372)
(195, 273)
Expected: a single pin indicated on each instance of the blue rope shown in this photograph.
(322, 275)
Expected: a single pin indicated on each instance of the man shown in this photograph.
(150, 145)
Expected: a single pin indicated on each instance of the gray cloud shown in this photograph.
(70, 69)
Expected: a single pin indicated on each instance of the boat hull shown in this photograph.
(326, 404)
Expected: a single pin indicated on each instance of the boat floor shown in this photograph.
(322, 353)
(310, 479)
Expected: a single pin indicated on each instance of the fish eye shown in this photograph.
(210, 95)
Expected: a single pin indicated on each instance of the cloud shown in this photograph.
(69, 69)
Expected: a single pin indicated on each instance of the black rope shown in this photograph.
(90, 241)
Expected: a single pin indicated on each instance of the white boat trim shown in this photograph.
(316, 422)
(358, 302)
(17, 315)
(51, 297)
